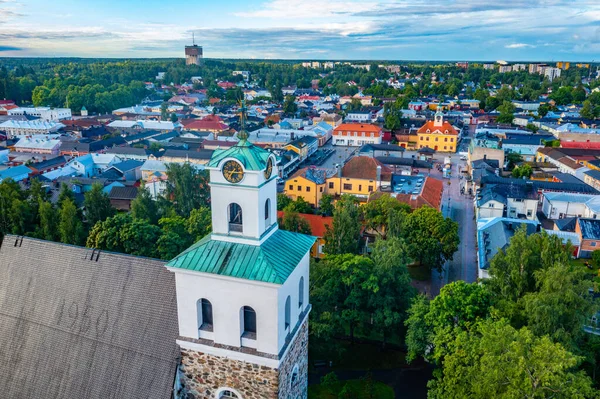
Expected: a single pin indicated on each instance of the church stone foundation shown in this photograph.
(202, 375)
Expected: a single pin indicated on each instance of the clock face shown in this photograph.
(233, 172)
(269, 168)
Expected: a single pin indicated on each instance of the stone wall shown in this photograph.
(202, 375)
(296, 356)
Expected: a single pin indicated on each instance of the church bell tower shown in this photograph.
(242, 291)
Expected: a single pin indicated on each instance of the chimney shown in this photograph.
(379, 175)
(339, 170)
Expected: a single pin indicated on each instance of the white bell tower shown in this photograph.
(242, 291)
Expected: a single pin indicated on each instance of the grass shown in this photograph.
(419, 272)
(355, 389)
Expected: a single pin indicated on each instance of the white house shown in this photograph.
(559, 205)
(242, 291)
(44, 113)
(14, 128)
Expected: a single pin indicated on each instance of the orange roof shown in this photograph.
(318, 223)
(431, 195)
(364, 167)
(358, 127)
(441, 129)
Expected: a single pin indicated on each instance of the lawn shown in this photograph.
(355, 389)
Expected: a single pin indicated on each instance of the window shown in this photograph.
(436, 139)
(321, 189)
(299, 188)
(347, 186)
(330, 184)
(301, 292)
(593, 244)
(291, 186)
(360, 187)
(491, 204)
(205, 314)
(427, 139)
(451, 139)
(445, 139)
(268, 210)
(444, 147)
(294, 378)
(235, 218)
(308, 189)
(227, 393)
(370, 189)
(249, 322)
(288, 311)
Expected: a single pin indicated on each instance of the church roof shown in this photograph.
(81, 324)
(271, 262)
(250, 156)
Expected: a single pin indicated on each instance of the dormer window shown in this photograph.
(428, 131)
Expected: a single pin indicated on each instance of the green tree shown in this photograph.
(289, 106)
(173, 117)
(506, 110)
(392, 297)
(143, 207)
(292, 221)
(343, 237)
(340, 299)
(138, 237)
(587, 111)
(432, 239)
(164, 111)
(543, 110)
(106, 234)
(199, 224)
(175, 237)
(523, 170)
(187, 187)
(65, 193)
(70, 227)
(48, 229)
(300, 206)
(283, 201)
(501, 362)
(97, 205)
(433, 326)
(376, 214)
(562, 96)
(326, 206)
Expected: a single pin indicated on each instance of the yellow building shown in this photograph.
(438, 134)
(361, 176)
(583, 66)
(307, 183)
(563, 65)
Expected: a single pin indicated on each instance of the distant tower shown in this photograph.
(193, 53)
(438, 121)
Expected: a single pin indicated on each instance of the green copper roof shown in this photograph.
(271, 262)
(250, 156)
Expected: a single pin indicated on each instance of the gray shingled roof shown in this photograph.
(76, 327)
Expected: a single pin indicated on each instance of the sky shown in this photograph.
(528, 30)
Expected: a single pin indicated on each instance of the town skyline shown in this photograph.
(277, 29)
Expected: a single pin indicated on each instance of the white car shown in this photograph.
(463, 157)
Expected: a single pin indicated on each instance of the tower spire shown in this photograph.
(243, 135)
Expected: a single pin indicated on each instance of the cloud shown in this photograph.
(309, 8)
(10, 48)
(518, 45)
(56, 35)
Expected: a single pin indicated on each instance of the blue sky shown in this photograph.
(549, 30)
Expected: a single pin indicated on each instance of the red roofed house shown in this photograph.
(357, 134)
(208, 124)
(318, 227)
(430, 194)
(438, 134)
(226, 85)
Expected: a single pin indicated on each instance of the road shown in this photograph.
(458, 207)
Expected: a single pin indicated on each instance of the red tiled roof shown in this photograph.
(356, 127)
(318, 223)
(364, 167)
(580, 144)
(441, 129)
(206, 125)
(9, 106)
(7, 102)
